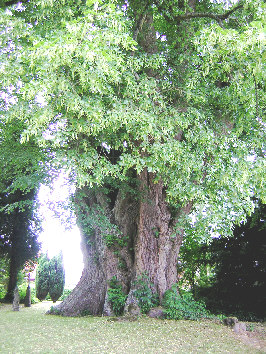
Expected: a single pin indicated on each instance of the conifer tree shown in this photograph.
(57, 277)
(42, 277)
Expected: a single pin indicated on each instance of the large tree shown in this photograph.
(155, 107)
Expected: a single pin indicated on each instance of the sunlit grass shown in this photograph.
(31, 331)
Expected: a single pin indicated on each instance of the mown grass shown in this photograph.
(31, 331)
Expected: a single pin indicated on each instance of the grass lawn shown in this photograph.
(31, 331)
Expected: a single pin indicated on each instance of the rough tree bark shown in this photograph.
(151, 246)
(157, 243)
(102, 260)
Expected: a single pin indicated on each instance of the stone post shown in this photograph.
(16, 300)
(27, 301)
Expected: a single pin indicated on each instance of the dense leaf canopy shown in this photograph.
(189, 109)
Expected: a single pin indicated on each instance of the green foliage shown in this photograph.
(3, 276)
(194, 263)
(2, 291)
(57, 277)
(86, 93)
(250, 327)
(113, 240)
(95, 218)
(179, 307)
(116, 296)
(50, 277)
(42, 281)
(84, 98)
(146, 297)
(22, 293)
(54, 311)
(65, 294)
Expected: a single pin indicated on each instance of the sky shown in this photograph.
(55, 237)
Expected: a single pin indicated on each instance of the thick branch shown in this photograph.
(216, 17)
(190, 15)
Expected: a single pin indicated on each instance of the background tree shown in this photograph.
(228, 272)
(239, 285)
(57, 277)
(18, 241)
(42, 281)
(195, 268)
(155, 107)
(22, 172)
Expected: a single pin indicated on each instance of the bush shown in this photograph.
(22, 293)
(143, 292)
(65, 294)
(2, 291)
(179, 307)
(54, 311)
(116, 296)
(4, 276)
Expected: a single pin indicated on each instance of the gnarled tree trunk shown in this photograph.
(143, 241)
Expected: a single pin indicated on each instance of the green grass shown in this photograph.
(31, 331)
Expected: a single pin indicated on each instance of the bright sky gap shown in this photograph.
(55, 236)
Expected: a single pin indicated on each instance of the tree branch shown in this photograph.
(140, 20)
(217, 17)
(190, 15)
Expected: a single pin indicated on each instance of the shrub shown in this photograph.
(178, 307)
(65, 294)
(116, 296)
(143, 292)
(4, 276)
(22, 293)
(54, 311)
(2, 291)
